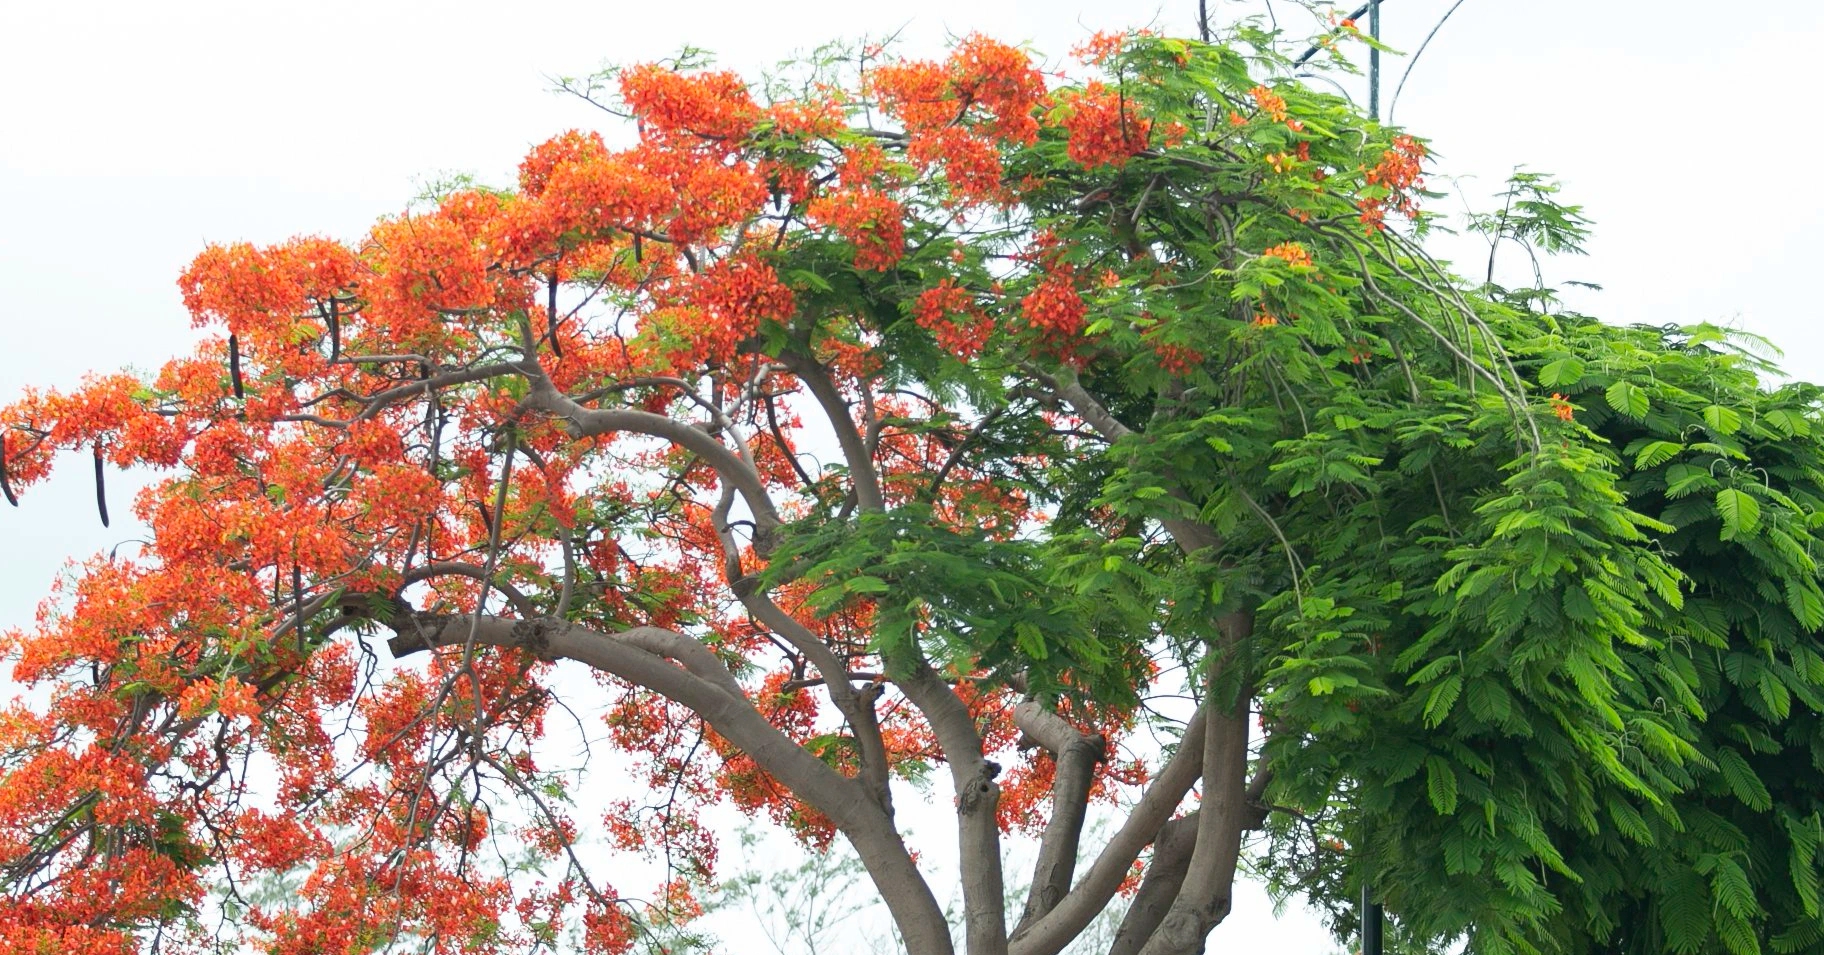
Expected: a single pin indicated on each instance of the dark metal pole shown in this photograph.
(1373, 919)
(1374, 60)
(1372, 924)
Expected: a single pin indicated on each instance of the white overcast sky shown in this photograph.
(132, 133)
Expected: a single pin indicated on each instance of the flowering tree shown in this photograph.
(922, 414)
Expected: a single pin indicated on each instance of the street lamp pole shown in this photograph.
(1372, 918)
(1374, 60)
(1373, 925)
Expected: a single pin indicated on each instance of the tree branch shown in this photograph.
(1192, 536)
(1164, 877)
(729, 465)
(636, 656)
(1075, 911)
(1208, 889)
(854, 448)
(1076, 754)
(977, 798)
(856, 708)
(522, 604)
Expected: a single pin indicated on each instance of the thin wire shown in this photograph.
(1395, 102)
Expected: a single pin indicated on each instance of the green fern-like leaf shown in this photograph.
(1740, 512)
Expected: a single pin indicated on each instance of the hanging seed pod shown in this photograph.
(6, 487)
(551, 313)
(234, 365)
(101, 487)
(297, 601)
(637, 257)
(335, 331)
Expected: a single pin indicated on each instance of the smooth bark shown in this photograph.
(1076, 754)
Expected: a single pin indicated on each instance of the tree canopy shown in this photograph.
(897, 421)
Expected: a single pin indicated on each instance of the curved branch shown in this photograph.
(454, 568)
(856, 708)
(375, 403)
(729, 466)
(1170, 864)
(1075, 911)
(1208, 890)
(1076, 754)
(977, 799)
(1164, 877)
(1192, 536)
(836, 409)
(640, 656)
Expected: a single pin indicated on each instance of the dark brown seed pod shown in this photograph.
(234, 365)
(297, 601)
(101, 487)
(6, 487)
(335, 331)
(551, 313)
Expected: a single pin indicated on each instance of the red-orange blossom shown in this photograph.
(513, 422)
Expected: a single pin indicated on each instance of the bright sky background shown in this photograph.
(133, 133)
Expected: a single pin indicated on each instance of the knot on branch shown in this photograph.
(534, 635)
(766, 539)
(981, 793)
(415, 631)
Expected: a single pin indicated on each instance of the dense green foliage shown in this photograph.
(1553, 680)
(1140, 384)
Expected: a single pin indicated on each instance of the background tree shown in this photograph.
(913, 415)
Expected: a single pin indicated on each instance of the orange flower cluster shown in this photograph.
(1292, 253)
(1055, 307)
(1562, 407)
(1099, 48)
(1399, 166)
(1177, 359)
(691, 107)
(873, 222)
(565, 148)
(951, 313)
(1270, 103)
(1396, 176)
(958, 113)
(1105, 129)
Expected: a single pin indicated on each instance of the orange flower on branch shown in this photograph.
(950, 312)
(1292, 253)
(958, 114)
(1270, 103)
(1105, 128)
(1055, 308)
(712, 107)
(872, 222)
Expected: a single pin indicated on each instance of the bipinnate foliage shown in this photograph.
(909, 417)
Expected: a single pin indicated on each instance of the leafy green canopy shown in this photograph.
(1526, 603)
(1542, 671)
